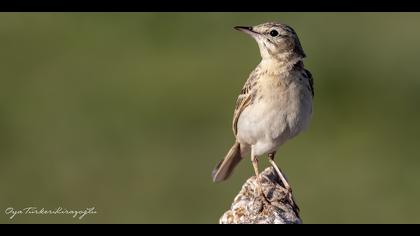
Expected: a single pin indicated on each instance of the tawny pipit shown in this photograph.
(275, 103)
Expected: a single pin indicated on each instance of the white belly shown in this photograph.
(273, 118)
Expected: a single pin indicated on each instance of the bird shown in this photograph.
(275, 103)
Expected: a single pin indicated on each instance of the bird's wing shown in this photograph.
(311, 81)
(244, 99)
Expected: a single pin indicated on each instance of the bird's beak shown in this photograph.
(247, 30)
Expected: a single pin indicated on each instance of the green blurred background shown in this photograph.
(129, 113)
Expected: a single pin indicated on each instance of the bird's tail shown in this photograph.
(225, 167)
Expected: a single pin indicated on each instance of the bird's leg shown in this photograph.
(255, 165)
(280, 174)
(257, 175)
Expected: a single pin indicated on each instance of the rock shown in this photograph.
(249, 207)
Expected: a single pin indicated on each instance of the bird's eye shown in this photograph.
(274, 33)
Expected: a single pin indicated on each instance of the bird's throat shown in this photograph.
(278, 66)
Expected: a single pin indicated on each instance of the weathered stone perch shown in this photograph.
(249, 207)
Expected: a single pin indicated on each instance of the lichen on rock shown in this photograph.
(249, 207)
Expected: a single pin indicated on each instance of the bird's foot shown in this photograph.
(260, 192)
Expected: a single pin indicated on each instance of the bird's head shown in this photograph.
(275, 40)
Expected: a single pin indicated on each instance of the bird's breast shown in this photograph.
(281, 109)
